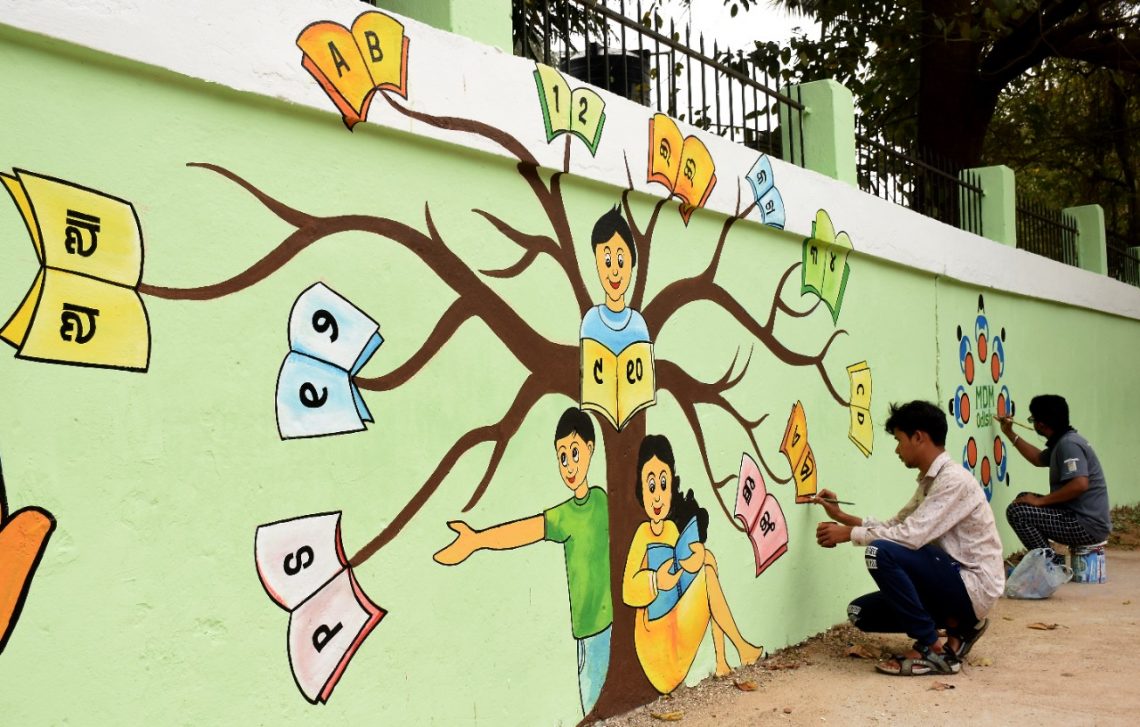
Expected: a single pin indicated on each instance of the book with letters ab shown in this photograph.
(617, 386)
(657, 554)
(580, 112)
(352, 64)
(83, 307)
(683, 164)
(761, 515)
(330, 341)
(303, 568)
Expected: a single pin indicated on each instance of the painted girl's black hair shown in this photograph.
(684, 507)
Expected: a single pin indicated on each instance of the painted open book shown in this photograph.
(83, 307)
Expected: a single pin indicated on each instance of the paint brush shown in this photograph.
(833, 501)
(1011, 420)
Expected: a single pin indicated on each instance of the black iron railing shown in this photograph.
(918, 180)
(659, 67)
(1122, 262)
(1046, 231)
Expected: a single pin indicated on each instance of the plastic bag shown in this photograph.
(1037, 576)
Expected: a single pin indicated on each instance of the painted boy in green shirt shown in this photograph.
(581, 524)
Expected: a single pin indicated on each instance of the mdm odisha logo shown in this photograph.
(980, 398)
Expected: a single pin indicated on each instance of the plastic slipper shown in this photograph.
(930, 662)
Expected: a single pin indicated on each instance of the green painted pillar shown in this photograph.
(1092, 243)
(999, 203)
(821, 137)
(486, 21)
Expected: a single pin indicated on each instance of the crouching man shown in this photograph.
(937, 563)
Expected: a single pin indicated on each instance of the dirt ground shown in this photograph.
(1075, 673)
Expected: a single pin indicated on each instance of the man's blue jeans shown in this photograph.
(919, 592)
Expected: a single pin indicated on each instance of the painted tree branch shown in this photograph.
(689, 392)
(454, 317)
(499, 433)
(549, 198)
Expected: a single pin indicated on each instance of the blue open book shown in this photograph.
(658, 554)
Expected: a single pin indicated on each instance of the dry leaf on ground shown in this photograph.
(1042, 627)
(862, 651)
(787, 710)
(941, 686)
(746, 686)
(981, 661)
(668, 716)
(1007, 618)
(1067, 674)
(1127, 603)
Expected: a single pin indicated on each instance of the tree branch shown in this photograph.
(456, 315)
(550, 199)
(500, 433)
(678, 294)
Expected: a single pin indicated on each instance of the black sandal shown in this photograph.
(967, 639)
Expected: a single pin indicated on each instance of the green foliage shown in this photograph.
(1071, 132)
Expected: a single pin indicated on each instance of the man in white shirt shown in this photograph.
(938, 562)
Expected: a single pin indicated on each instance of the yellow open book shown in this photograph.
(83, 307)
(351, 65)
(683, 164)
(798, 451)
(581, 112)
(617, 386)
(861, 431)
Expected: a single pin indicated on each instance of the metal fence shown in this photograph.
(1122, 263)
(918, 180)
(1046, 231)
(659, 67)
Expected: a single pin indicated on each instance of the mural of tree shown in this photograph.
(553, 367)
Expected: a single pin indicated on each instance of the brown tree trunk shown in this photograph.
(955, 104)
(626, 685)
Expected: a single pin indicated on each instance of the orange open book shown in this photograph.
(351, 65)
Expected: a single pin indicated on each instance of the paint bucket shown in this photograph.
(1087, 562)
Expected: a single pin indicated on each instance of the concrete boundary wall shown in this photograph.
(314, 419)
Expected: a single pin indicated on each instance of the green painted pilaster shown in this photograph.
(1092, 254)
(822, 136)
(999, 203)
(486, 21)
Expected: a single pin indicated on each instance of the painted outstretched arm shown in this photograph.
(506, 536)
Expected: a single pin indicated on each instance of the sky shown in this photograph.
(763, 21)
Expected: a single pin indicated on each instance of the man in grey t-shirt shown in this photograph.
(1075, 512)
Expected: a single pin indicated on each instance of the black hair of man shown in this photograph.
(607, 225)
(1052, 411)
(574, 421)
(918, 416)
(684, 507)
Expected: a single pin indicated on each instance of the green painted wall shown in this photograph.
(158, 480)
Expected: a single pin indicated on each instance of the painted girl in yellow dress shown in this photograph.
(674, 609)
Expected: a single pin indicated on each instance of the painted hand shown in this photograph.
(458, 550)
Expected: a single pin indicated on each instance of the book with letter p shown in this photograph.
(617, 386)
(352, 64)
(303, 568)
(682, 164)
(580, 112)
(83, 307)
